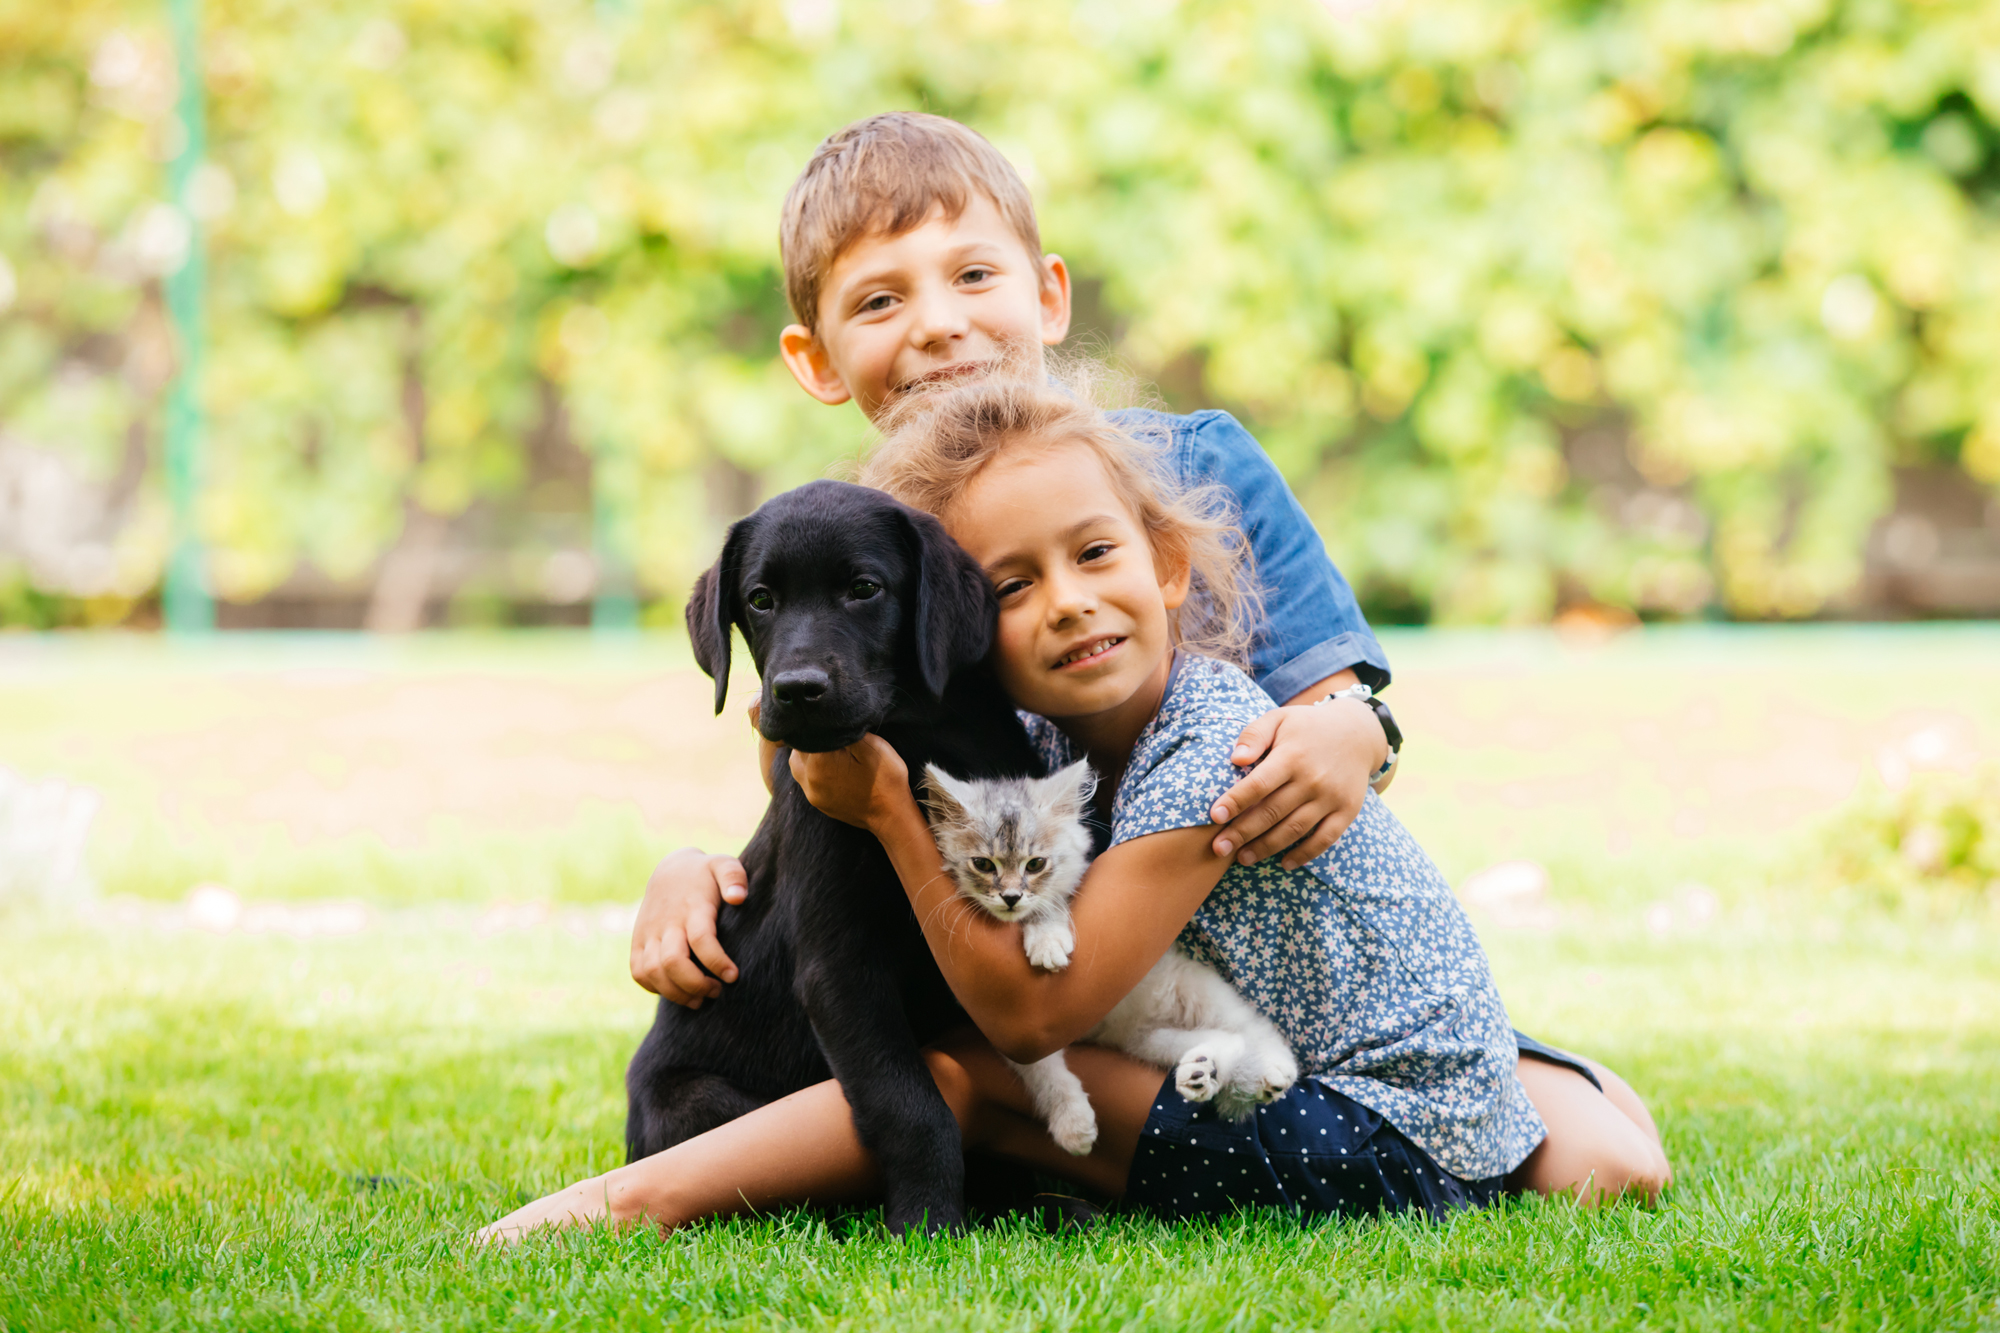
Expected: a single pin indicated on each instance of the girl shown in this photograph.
(1120, 601)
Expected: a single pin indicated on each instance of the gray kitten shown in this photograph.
(1017, 847)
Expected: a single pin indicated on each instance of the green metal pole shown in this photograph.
(613, 484)
(616, 603)
(189, 608)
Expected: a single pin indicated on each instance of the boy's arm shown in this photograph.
(1313, 640)
(676, 921)
(676, 926)
(1312, 627)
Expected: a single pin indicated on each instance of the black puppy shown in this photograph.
(862, 615)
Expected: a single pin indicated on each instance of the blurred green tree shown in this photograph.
(1536, 303)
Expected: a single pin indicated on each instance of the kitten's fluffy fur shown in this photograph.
(1018, 848)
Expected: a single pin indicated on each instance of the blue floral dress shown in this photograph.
(1362, 957)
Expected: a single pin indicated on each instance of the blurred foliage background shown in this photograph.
(1668, 308)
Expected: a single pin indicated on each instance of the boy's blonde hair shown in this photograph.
(885, 175)
(938, 440)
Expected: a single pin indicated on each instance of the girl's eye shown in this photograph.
(760, 599)
(983, 866)
(1010, 587)
(1036, 864)
(863, 589)
(1096, 551)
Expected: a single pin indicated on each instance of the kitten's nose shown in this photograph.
(1011, 899)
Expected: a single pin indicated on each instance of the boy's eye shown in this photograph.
(983, 866)
(760, 599)
(1010, 587)
(863, 589)
(1036, 864)
(976, 275)
(878, 303)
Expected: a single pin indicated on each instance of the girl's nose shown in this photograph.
(1067, 599)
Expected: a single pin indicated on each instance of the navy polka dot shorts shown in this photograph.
(1314, 1151)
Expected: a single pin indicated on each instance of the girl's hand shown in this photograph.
(866, 785)
(1308, 788)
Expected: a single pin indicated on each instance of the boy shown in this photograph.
(911, 254)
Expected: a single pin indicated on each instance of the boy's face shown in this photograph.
(952, 297)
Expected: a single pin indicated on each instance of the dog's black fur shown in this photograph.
(862, 615)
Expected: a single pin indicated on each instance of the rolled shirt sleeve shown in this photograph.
(1312, 626)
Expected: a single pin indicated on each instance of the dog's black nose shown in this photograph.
(803, 686)
(1011, 899)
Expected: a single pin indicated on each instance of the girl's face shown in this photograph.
(1085, 609)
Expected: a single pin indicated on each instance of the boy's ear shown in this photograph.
(1055, 300)
(806, 357)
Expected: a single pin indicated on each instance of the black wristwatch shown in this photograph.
(1390, 731)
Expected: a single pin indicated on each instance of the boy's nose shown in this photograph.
(938, 318)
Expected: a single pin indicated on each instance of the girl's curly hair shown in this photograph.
(936, 440)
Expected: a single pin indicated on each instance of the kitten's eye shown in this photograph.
(984, 866)
(863, 589)
(760, 599)
(1036, 864)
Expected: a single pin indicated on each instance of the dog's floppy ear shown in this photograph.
(712, 611)
(955, 609)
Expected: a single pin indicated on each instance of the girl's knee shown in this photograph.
(1627, 1170)
(953, 1079)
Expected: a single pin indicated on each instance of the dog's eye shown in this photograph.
(863, 589)
(983, 866)
(1036, 864)
(760, 599)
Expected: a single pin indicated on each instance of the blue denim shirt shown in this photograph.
(1312, 626)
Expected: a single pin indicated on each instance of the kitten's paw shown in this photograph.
(1195, 1076)
(1048, 948)
(1074, 1128)
(1258, 1085)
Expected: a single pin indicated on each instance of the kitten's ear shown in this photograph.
(1070, 789)
(944, 796)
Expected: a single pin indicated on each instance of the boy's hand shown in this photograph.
(1309, 788)
(866, 785)
(676, 925)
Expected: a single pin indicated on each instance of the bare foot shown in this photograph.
(580, 1205)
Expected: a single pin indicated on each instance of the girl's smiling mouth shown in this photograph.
(1089, 654)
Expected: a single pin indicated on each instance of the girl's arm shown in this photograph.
(1135, 899)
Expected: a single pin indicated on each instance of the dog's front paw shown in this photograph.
(1195, 1076)
(1048, 946)
(1074, 1128)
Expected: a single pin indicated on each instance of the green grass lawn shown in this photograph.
(253, 1130)
(265, 1132)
